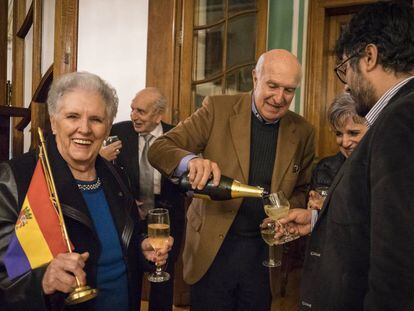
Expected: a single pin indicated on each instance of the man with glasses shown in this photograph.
(340, 70)
(361, 255)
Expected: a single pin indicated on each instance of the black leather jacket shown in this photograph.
(25, 292)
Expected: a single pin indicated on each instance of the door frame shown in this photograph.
(319, 60)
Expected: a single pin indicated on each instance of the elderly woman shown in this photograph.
(349, 128)
(99, 211)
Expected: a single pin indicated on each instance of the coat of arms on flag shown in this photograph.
(38, 236)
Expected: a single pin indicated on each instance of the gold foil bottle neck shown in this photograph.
(239, 190)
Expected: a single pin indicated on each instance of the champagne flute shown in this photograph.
(158, 232)
(268, 234)
(276, 207)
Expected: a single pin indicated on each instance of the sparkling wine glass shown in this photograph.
(267, 229)
(277, 206)
(158, 232)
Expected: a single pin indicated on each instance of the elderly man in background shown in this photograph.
(254, 138)
(148, 187)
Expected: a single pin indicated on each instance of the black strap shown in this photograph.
(129, 226)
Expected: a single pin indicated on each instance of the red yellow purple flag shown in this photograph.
(38, 236)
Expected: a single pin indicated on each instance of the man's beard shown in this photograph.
(363, 93)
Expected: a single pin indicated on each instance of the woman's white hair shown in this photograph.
(83, 81)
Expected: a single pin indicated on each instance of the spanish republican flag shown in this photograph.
(38, 235)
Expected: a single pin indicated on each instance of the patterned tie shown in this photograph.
(146, 178)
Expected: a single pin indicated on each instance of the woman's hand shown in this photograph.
(315, 200)
(60, 273)
(160, 256)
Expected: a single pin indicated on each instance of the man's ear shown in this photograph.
(371, 57)
(159, 118)
(254, 75)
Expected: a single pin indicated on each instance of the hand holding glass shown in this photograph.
(158, 232)
(277, 206)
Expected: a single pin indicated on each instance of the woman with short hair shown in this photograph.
(349, 128)
(99, 211)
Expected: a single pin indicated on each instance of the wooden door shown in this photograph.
(4, 120)
(221, 42)
(27, 20)
(326, 18)
(183, 34)
(178, 31)
(326, 141)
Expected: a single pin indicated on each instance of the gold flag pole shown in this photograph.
(80, 293)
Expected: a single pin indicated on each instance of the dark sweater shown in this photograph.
(263, 143)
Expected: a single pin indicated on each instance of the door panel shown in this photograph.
(224, 38)
(327, 142)
(326, 17)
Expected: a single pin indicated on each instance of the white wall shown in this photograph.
(48, 34)
(27, 90)
(48, 31)
(112, 43)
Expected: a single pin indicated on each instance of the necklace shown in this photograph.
(88, 187)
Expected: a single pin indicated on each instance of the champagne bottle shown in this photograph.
(227, 189)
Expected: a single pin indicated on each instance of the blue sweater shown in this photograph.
(111, 271)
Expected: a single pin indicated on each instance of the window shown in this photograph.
(227, 38)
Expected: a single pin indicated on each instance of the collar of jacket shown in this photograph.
(286, 143)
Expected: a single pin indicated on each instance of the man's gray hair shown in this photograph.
(82, 81)
(343, 107)
(160, 104)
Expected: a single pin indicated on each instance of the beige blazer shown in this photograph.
(220, 131)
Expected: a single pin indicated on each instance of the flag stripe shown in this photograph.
(15, 259)
(47, 218)
(38, 236)
(32, 241)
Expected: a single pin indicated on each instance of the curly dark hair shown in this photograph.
(388, 25)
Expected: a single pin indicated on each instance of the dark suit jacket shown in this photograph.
(170, 196)
(221, 131)
(25, 293)
(361, 251)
